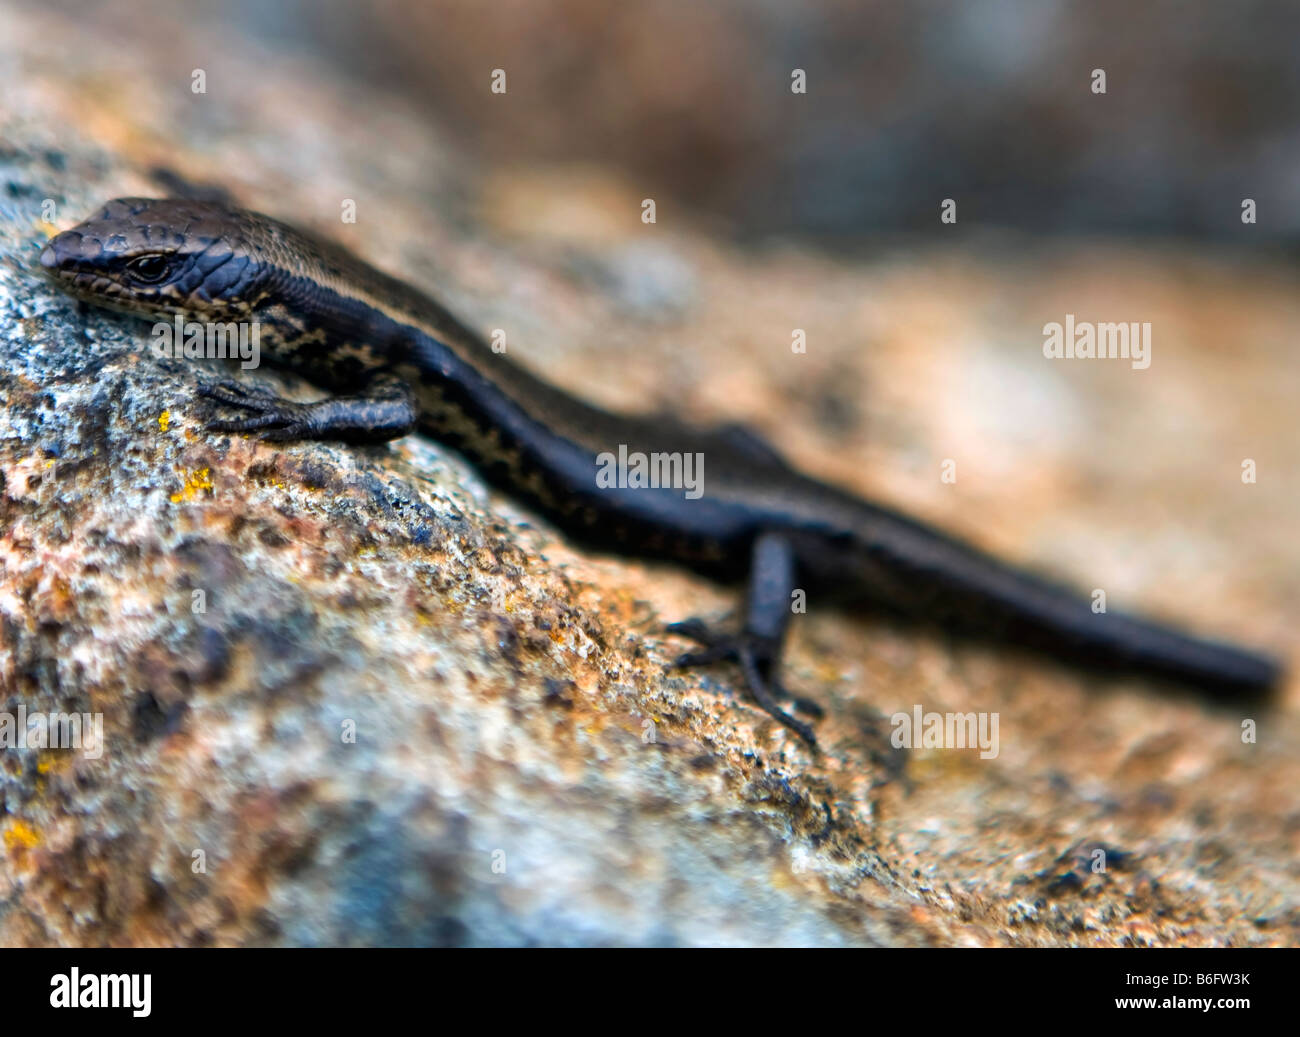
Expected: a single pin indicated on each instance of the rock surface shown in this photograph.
(351, 697)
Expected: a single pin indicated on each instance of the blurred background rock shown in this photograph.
(988, 101)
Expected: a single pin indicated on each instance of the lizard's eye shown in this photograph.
(148, 269)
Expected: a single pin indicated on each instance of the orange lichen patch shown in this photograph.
(45, 227)
(197, 480)
(21, 836)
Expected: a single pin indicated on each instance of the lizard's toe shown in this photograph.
(287, 432)
(250, 424)
(807, 706)
(712, 654)
(694, 630)
(235, 395)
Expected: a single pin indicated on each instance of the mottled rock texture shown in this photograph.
(351, 697)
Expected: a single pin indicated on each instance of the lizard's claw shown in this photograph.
(716, 646)
(755, 656)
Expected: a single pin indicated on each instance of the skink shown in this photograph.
(396, 362)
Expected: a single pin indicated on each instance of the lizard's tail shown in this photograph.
(935, 577)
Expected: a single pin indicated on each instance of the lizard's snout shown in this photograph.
(61, 252)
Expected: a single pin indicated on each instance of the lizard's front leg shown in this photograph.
(758, 645)
(384, 410)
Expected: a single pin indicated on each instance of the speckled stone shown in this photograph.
(351, 697)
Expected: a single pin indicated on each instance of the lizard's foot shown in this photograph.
(273, 416)
(756, 656)
(385, 411)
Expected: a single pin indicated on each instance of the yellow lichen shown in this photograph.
(52, 761)
(20, 835)
(194, 482)
(164, 420)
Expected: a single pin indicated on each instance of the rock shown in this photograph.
(348, 696)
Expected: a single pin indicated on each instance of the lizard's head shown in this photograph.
(161, 257)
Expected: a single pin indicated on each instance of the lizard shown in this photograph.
(395, 361)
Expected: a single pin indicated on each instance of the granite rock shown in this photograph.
(350, 696)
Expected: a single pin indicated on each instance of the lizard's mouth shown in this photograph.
(104, 292)
(61, 261)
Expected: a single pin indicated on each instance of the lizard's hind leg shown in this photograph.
(757, 647)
